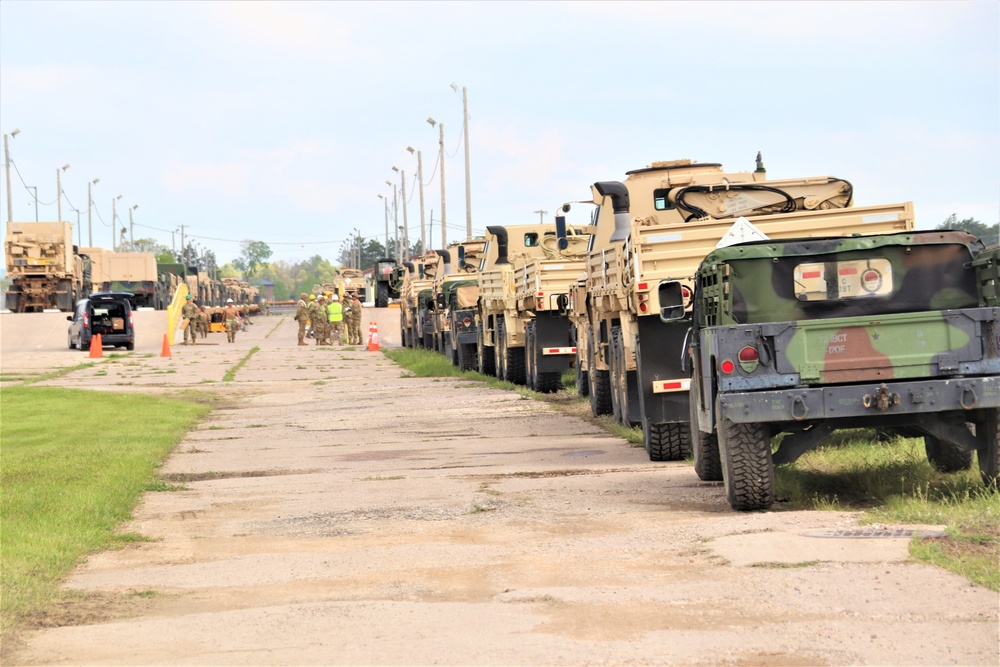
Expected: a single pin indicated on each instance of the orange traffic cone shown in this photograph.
(96, 347)
(373, 337)
(165, 352)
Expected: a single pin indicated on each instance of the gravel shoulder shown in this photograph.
(336, 511)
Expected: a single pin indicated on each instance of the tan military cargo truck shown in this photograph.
(501, 327)
(418, 277)
(666, 218)
(456, 295)
(44, 267)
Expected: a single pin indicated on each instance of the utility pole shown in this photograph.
(6, 160)
(59, 191)
(468, 180)
(444, 218)
(406, 227)
(541, 216)
(131, 241)
(182, 247)
(90, 205)
(114, 224)
(420, 181)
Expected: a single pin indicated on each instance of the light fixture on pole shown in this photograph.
(541, 216)
(444, 216)
(386, 202)
(59, 191)
(6, 161)
(90, 205)
(420, 181)
(131, 241)
(34, 195)
(114, 225)
(468, 180)
(406, 225)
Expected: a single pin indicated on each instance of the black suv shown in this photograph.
(106, 313)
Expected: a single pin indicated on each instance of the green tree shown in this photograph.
(253, 254)
(989, 234)
(148, 245)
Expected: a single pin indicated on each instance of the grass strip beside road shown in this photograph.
(231, 373)
(72, 466)
(890, 482)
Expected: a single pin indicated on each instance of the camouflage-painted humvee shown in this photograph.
(898, 332)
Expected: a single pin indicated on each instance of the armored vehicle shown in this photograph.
(414, 277)
(665, 219)
(896, 332)
(45, 268)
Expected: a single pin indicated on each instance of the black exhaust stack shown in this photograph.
(620, 202)
(501, 234)
(446, 259)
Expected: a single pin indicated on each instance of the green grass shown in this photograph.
(892, 482)
(72, 466)
(231, 373)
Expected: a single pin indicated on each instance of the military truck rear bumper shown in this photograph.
(861, 400)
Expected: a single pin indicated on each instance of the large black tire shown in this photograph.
(667, 441)
(130, 346)
(485, 355)
(945, 456)
(616, 378)
(704, 446)
(513, 359)
(382, 295)
(467, 356)
(582, 381)
(748, 470)
(988, 452)
(600, 385)
(549, 383)
(69, 342)
(530, 368)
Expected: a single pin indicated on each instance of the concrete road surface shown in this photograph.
(333, 509)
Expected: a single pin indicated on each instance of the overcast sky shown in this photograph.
(281, 122)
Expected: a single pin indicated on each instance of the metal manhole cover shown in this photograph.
(876, 533)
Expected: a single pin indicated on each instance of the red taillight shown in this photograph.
(643, 286)
(748, 354)
(643, 307)
(86, 320)
(467, 322)
(685, 292)
(727, 367)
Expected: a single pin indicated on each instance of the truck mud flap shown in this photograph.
(658, 360)
(553, 331)
(861, 400)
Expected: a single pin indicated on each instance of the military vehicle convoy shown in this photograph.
(132, 272)
(388, 281)
(665, 219)
(45, 268)
(805, 336)
(417, 278)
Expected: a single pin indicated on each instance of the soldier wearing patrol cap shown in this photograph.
(190, 313)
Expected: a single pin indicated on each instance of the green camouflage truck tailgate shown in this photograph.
(849, 327)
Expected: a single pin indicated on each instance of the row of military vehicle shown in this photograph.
(48, 272)
(718, 310)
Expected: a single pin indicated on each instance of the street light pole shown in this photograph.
(444, 216)
(468, 180)
(6, 160)
(114, 225)
(386, 202)
(420, 181)
(59, 191)
(90, 205)
(406, 224)
(35, 197)
(131, 241)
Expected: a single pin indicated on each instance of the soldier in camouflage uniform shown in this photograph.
(354, 324)
(301, 315)
(190, 313)
(317, 317)
(203, 322)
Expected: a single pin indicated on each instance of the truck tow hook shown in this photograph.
(882, 400)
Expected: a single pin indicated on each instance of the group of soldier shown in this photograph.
(197, 320)
(327, 315)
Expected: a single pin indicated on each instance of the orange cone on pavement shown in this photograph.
(96, 347)
(373, 337)
(165, 352)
